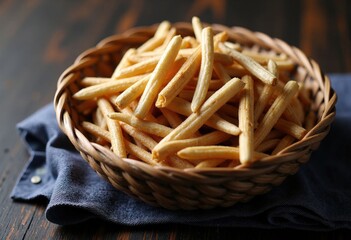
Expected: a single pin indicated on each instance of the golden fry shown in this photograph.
(216, 152)
(182, 107)
(205, 69)
(246, 121)
(197, 26)
(117, 140)
(145, 126)
(184, 75)
(104, 89)
(275, 111)
(168, 148)
(251, 65)
(196, 120)
(157, 78)
(265, 94)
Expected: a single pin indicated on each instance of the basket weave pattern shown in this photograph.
(191, 188)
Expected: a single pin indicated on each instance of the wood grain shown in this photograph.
(39, 39)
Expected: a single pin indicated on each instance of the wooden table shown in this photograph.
(39, 39)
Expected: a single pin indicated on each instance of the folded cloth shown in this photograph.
(318, 197)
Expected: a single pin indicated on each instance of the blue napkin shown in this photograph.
(318, 197)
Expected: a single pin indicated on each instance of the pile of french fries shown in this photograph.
(196, 102)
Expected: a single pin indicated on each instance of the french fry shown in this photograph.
(196, 120)
(210, 163)
(221, 72)
(266, 93)
(246, 121)
(283, 143)
(168, 148)
(290, 128)
(177, 162)
(275, 111)
(157, 78)
(139, 153)
(263, 58)
(182, 107)
(117, 140)
(96, 131)
(145, 126)
(142, 137)
(184, 75)
(162, 29)
(171, 33)
(90, 81)
(252, 66)
(229, 110)
(135, 91)
(131, 93)
(205, 69)
(197, 27)
(123, 63)
(267, 145)
(158, 38)
(173, 118)
(216, 152)
(137, 69)
(104, 89)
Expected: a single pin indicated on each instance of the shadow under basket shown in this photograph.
(193, 188)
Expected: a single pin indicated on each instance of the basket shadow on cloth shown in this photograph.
(191, 188)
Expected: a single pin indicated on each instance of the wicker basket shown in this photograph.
(191, 188)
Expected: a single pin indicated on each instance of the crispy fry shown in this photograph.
(229, 110)
(216, 152)
(131, 93)
(96, 131)
(283, 143)
(171, 33)
(105, 89)
(158, 38)
(197, 27)
(255, 68)
(123, 63)
(221, 72)
(265, 94)
(140, 153)
(173, 118)
(142, 125)
(162, 29)
(184, 75)
(142, 137)
(196, 120)
(177, 162)
(171, 147)
(290, 128)
(275, 111)
(90, 81)
(182, 107)
(246, 121)
(205, 69)
(267, 145)
(157, 77)
(210, 163)
(137, 69)
(263, 58)
(117, 140)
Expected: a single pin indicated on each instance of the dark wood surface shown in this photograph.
(39, 39)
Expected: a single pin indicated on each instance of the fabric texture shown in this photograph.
(318, 197)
